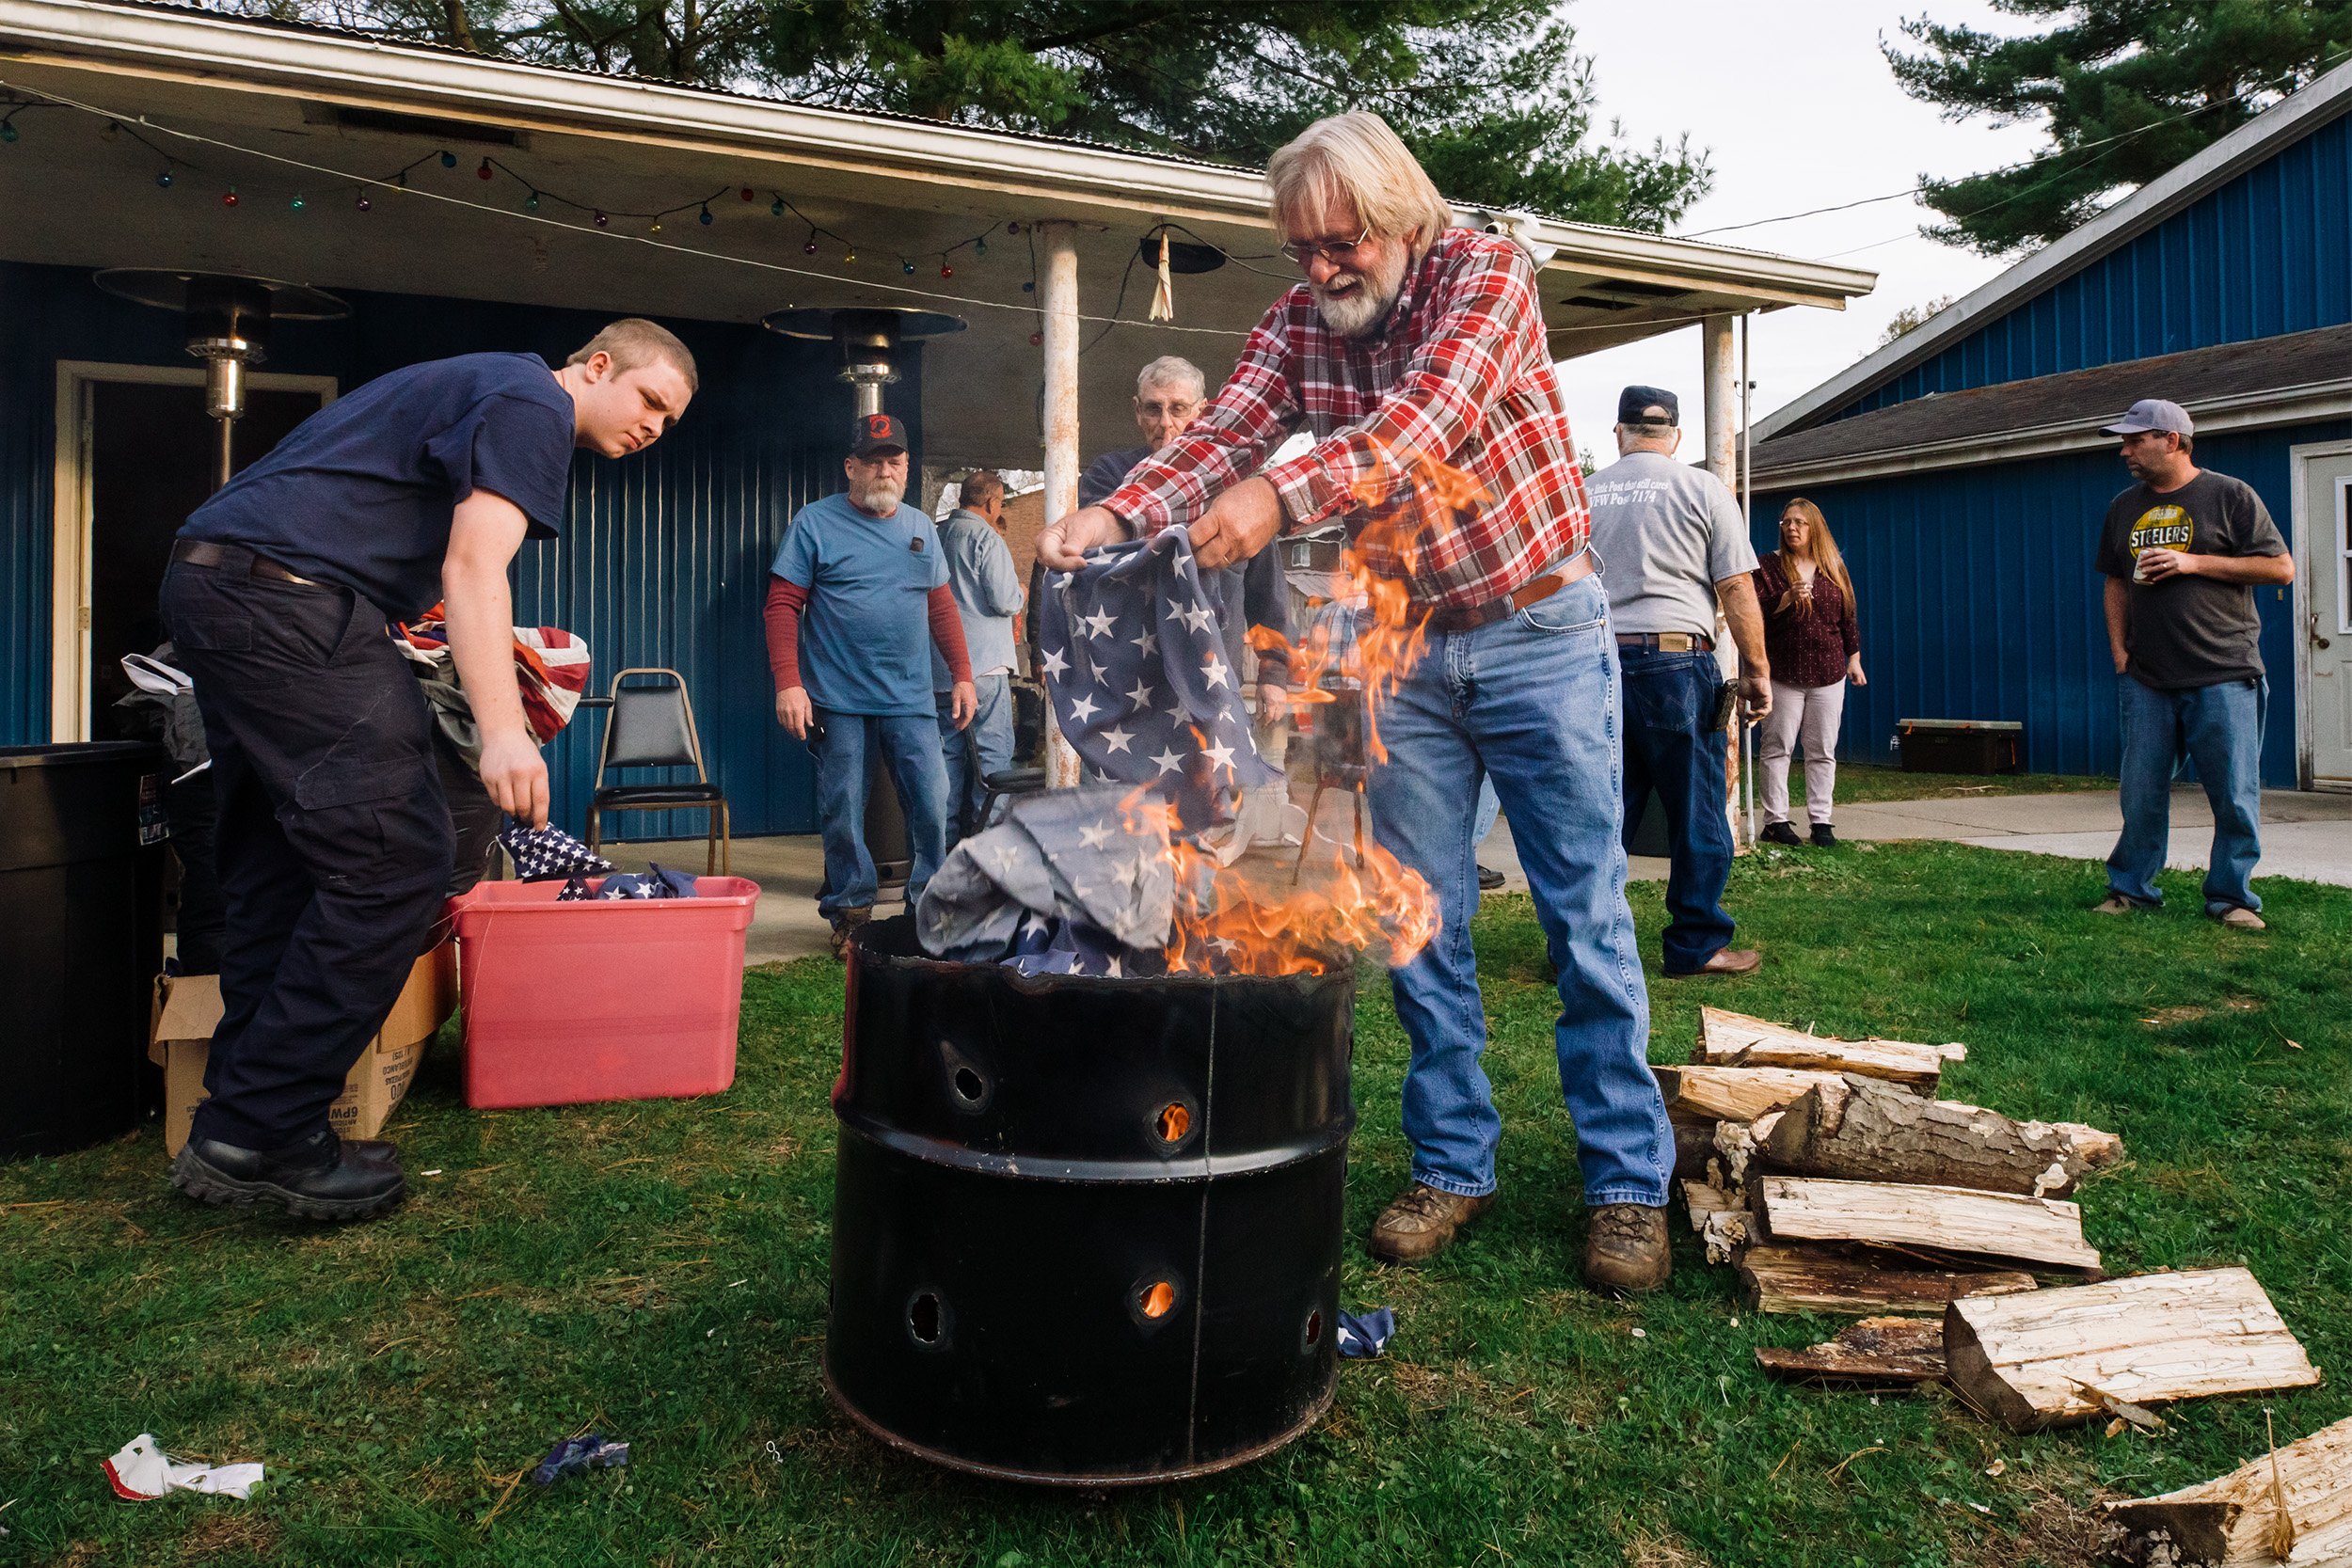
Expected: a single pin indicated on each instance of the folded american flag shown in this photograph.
(1135, 663)
(550, 667)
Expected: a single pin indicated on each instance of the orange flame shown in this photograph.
(1228, 919)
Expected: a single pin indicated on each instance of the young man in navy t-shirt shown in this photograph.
(857, 599)
(334, 841)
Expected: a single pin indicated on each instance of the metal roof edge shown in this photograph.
(2275, 406)
(338, 65)
(2297, 115)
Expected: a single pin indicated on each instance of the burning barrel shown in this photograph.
(1086, 1231)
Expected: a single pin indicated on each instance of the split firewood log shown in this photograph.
(2062, 1355)
(1865, 1131)
(1694, 1144)
(1733, 1093)
(1874, 1350)
(2041, 1231)
(1811, 1279)
(1704, 1198)
(2234, 1521)
(1735, 1039)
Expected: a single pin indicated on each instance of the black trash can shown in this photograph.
(1086, 1231)
(81, 941)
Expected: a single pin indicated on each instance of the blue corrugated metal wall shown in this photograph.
(2262, 254)
(665, 561)
(1978, 598)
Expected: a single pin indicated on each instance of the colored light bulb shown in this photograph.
(603, 222)
(775, 208)
(164, 179)
(656, 229)
(228, 197)
(808, 247)
(297, 204)
(907, 267)
(979, 248)
(747, 192)
(7, 131)
(705, 215)
(484, 172)
(449, 160)
(530, 202)
(945, 271)
(363, 203)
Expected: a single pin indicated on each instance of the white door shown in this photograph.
(2327, 620)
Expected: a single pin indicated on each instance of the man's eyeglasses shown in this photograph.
(1333, 251)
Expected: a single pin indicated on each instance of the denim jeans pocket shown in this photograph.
(1661, 696)
(1581, 606)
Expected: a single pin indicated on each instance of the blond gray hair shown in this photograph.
(1168, 370)
(633, 342)
(1353, 159)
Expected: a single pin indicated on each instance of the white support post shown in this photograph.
(1720, 374)
(1059, 291)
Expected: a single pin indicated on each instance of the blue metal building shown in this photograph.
(1961, 470)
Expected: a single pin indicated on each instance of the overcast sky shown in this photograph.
(1798, 110)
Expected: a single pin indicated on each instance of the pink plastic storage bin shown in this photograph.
(634, 999)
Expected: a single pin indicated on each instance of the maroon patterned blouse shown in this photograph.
(1806, 645)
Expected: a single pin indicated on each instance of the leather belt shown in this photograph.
(1535, 591)
(1666, 642)
(203, 552)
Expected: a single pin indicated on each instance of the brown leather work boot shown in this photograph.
(1625, 1250)
(1422, 1222)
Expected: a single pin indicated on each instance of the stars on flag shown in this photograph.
(1099, 624)
(1145, 641)
(1084, 709)
(1116, 738)
(1219, 755)
(1215, 672)
(1199, 617)
(1094, 835)
(1139, 694)
(1168, 760)
(1054, 664)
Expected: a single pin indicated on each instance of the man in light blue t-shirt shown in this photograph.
(986, 590)
(858, 599)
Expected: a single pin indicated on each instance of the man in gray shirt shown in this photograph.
(1672, 544)
(986, 590)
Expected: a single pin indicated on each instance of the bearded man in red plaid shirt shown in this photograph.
(1410, 342)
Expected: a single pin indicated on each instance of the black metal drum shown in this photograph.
(1086, 1231)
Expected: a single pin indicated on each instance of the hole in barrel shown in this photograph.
(969, 1086)
(923, 1318)
(1314, 1328)
(1157, 1300)
(1175, 1122)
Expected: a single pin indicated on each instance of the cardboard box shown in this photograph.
(188, 1008)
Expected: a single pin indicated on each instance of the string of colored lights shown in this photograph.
(364, 188)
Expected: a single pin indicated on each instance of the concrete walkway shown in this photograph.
(2304, 835)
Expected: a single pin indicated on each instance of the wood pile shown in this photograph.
(1832, 1177)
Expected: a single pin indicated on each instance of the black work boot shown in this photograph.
(322, 1177)
(1778, 832)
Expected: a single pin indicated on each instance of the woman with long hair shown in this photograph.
(1815, 647)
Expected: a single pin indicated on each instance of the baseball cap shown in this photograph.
(1635, 402)
(2151, 414)
(876, 433)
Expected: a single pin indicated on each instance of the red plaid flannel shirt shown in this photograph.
(1460, 373)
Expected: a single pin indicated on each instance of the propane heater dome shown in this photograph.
(866, 340)
(227, 318)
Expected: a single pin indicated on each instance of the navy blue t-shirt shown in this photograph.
(361, 493)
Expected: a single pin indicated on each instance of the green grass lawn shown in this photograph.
(1862, 783)
(659, 1269)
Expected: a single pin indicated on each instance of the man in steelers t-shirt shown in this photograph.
(2183, 551)
(334, 841)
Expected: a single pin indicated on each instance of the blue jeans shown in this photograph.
(908, 744)
(1489, 807)
(1532, 702)
(991, 729)
(2220, 729)
(1672, 745)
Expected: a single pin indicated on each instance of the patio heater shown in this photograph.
(865, 341)
(228, 319)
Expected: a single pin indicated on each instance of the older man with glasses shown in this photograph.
(1415, 342)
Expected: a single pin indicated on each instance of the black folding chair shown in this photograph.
(1339, 763)
(652, 725)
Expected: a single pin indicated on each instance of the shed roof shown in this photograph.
(2270, 380)
(2292, 117)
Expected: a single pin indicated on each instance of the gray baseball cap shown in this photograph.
(2151, 414)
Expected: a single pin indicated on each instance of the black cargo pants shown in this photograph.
(333, 843)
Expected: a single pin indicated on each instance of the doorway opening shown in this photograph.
(136, 453)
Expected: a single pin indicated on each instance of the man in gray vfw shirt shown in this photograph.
(1672, 544)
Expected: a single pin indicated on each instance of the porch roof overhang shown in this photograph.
(287, 109)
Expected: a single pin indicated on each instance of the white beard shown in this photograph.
(879, 498)
(1361, 308)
